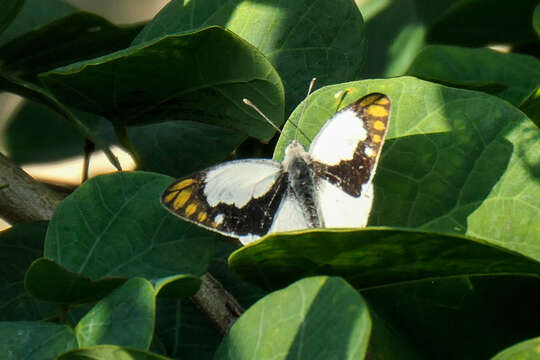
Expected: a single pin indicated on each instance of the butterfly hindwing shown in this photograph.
(236, 198)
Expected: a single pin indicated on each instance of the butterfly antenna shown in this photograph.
(251, 105)
(310, 88)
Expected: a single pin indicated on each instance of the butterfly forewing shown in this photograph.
(237, 198)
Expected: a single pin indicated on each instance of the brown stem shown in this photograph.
(25, 199)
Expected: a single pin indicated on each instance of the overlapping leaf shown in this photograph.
(198, 76)
(330, 48)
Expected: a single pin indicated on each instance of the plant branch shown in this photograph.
(22, 198)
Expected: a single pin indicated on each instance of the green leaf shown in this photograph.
(178, 148)
(526, 350)
(66, 40)
(10, 10)
(19, 246)
(531, 106)
(125, 317)
(52, 137)
(114, 226)
(110, 352)
(186, 333)
(35, 340)
(179, 77)
(296, 323)
(50, 282)
(38, 94)
(395, 32)
(485, 22)
(454, 162)
(464, 67)
(460, 318)
(34, 14)
(331, 48)
(372, 257)
(536, 19)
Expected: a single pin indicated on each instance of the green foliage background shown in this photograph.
(449, 265)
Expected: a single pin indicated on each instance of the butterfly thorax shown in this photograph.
(301, 178)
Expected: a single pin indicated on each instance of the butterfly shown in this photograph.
(331, 185)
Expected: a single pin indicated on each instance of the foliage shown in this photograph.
(449, 267)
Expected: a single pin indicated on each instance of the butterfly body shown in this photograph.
(328, 186)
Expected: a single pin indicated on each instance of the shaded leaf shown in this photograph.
(526, 350)
(465, 67)
(48, 281)
(51, 135)
(295, 323)
(125, 317)
(179, 77)
(35, 13)
(536, 19)
(454, 161)
(110, 352)
(485, 22)
(331, 48)
(531, 106)
(372, 257)
(72, 38)
(10, 10)
(185, 332)
(178, 148)
(461, 318)
(395, 32)
(19, 246)
(35, 340)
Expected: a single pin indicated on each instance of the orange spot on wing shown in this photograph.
(181, 199)
(191, 208)
(379, 125)
(377, 111)
(201, 216)
(182, 184)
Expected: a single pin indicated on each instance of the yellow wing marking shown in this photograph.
(377, 111)
(201, 216)
(191, 209)
(181, 200)
(182, 184)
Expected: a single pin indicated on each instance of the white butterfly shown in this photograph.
(328, 186)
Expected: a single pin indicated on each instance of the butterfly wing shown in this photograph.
(345, 153)
(236, 198)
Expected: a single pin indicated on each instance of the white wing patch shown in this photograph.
(338, 138)
(238, 182)
(340, 210)
(289, 216)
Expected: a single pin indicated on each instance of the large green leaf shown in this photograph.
(466, 318)
(296, 323)
(34, 14)
(467, 67)
(10, 10)
(64, 41)
(114, 226)
(455, 161)
(19, 246)
(330, 48)
(485, 22)
(125, 317)
(185, 332)
(526, 350)
(35, 340)
(178, 148)
(178, 77)
(110, 352)
(372, 257)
